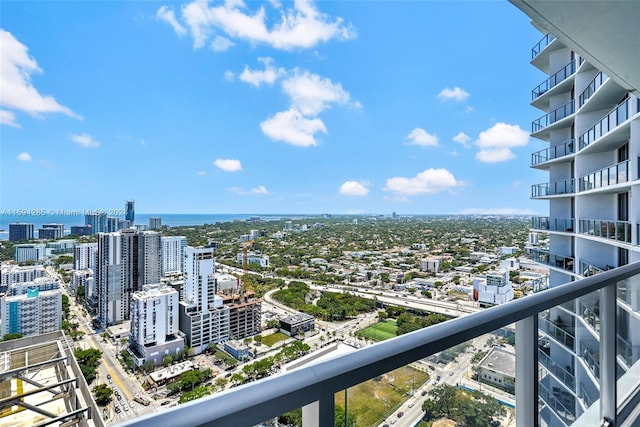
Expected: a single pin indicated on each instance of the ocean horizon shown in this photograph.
(171, 220)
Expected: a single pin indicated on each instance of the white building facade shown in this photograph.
(31, 313)
(154, 324)
(84, 256)
(173, 254)
(592, 126)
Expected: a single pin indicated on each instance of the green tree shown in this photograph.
(102, 393)
(167, 360)
(11, 336)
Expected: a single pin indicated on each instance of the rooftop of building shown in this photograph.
(501, 361)
(297, 318)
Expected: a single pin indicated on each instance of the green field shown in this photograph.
(270, 340)
(366, 400)
(380, 331)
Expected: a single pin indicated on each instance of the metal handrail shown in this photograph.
(554, 152)
(554, 79)
(553, 188)
(592, 87)
(612, 175)
(559, 113)
(252, 403)
(539, 47)
(618, 115)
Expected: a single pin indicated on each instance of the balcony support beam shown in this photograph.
(527, 371)
(608, 353)
(327, 410)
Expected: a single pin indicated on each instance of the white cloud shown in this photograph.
(311, 93)
(300, 26)
(456, 94)
(256, 77)
(8, 118)
(495, 155)
(201, 173)
(228, 165)
(85, 140)
(18, 93)
(496, 142)
(229, 75)
(462, 139)
(354, 188)
(293, 127)
(24, 157)
(167, 15)
(221, 44)
(421, 137)
(259, 190)
(429, 181)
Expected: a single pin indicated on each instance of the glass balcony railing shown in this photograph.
(559, 113)
(555, 188)
(616, 174)
(586, 397)
(592, 87)
(613, 119)
(544, 257)
(557, 332)
(591, 314)
(554, 79)
(587, 269)
(321, 385)
(561, 373)
(552, 224)
(592, 359)
(565, 412)
(553, 152)
(625, 351)
(611, 230)
(539, 47)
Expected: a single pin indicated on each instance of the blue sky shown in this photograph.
(415, 107)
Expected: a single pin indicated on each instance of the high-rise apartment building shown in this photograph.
(127, 260)
(19, 231)
(113, 224)
(130, 211)
(149, 259)
(204, 319)
(51, 231)
(84, 256)
(11, 274)
(155, 223)
(97, 221)
(173, 254)
(31, 313)
(29, 252)
(592, 125)
(154, 324)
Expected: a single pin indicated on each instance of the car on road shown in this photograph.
(166, 402)
(424, 393)
(411, 404)
(400, 414)
(117, 409)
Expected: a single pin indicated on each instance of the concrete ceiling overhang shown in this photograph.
(604, 32)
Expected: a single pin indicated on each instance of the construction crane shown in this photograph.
(245, 266)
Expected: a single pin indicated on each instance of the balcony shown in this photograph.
(586, 269)
(592, 360)
(552, 117)
(620, 114)
(591, 88)
(554, 152)
(317, 383)
(555, 188)
(613, 175)
(559, 372)
(554, 80)
(539, 47)
(619, 231)
(557, 332)
(544, 257)
(552, 224)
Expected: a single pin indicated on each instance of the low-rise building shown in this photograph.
(297, 324)
(29, 252)
(498, 368)
(492, 289)
(253, 258)
(238, 349)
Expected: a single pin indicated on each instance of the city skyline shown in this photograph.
(414, 107)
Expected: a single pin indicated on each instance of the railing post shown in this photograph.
(527, 371)
(320, 412)
(608, 353)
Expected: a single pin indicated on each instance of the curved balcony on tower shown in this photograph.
(553, 189)
(554, 154)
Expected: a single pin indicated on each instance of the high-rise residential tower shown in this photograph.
(19, 231)
(97, 221)
(203, 318)
(130, 211)
(173, 253)
(591, 122)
